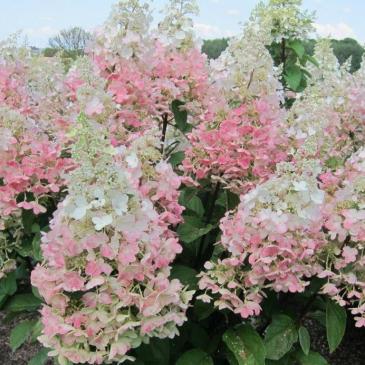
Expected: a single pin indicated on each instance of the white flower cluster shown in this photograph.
(177, 26)
(246, 69)
(285, 19)
(126, 32)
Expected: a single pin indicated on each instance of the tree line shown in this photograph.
(71, 43)
(343, 49)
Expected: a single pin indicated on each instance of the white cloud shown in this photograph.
(336, 31)
(45, 31)
(39, 36)
(233, 12)
(207, 31)
(47, 18)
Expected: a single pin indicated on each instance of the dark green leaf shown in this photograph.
(199, 337)
(293, 76)
(194, 357)
(20, 334)
(181, 116)
(335, 324)
(23, 302)
(157, 352)
(176, 158)
(28, 219)
(8, 284)
(297, 47)
(40, 358)
(304, 340)
(188, 233)
(196, 205)
(313, 358)
(246, 345)
(186, 194)
(202, 310)
(36, 245)
(187, 275)
(280, 336)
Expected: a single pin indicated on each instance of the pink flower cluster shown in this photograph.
(241, 148)
(30, 169)
(276, 231)
(106, 274)
(31, 165)
(345, 227)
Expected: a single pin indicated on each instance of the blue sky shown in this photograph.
(41, 19)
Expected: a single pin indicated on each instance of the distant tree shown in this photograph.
(49, 52)
(71, 41)
(348, 47)
(214, 47)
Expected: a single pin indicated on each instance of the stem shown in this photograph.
(210, 210)
(165, 121)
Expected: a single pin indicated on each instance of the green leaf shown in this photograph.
(40, 358)
(297, 47)
(186, 194)
(187, 275)
(193, 357)
(21, 333)
(304, 340)
(335, 324)
(181, 116)
(36, 330)
(312, 60)
(334, 162)
(280, 336)
(293, 76)
(23, 302)
(246, 345)
(28, 219)
(202, 310)
(188, 233)
(8, 284)
(156, 352)
(199, 337)
(176, 158)
(36, 245)
(196, 205)
(26, 248)
(313, 358)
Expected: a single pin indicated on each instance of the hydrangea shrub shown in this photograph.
(157, 208)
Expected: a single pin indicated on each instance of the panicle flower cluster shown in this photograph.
(177, 25)
(131, 89)
(31, 161)
(327, 120)
(246, 69)
(344, 262)
(240, 148)
(105, 279)
(277, 232)
(285, 19)
(31, 164)
(126, 32)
